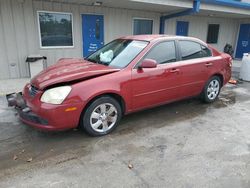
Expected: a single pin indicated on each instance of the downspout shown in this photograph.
(194, 10)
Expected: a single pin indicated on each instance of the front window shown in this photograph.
(55, 29)
(119, 53)
(163, 53)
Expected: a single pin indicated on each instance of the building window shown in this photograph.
(55, 29)
(163, 53)
(213, 33)
(143, 26)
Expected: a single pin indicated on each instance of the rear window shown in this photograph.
(193, 50)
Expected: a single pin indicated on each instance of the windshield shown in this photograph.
(118, 53)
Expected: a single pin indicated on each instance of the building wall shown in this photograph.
(246, 20)
(19, 36)
(19, 31)
(198, 27)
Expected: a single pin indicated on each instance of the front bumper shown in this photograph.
(44, 116)
(25, 113)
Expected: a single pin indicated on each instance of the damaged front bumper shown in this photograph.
(16, 100)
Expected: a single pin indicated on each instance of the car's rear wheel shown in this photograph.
(102, 116)
(211, 90)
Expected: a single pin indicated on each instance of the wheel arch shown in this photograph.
(114, 95)
(220, 76)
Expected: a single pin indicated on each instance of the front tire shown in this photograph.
(101, 116)
(211, 90)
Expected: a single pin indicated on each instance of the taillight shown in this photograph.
(230, 61)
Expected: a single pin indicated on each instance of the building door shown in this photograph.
(243, 45)
(92, 33)
(182, 28)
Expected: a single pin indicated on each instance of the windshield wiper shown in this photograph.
(97, 62)
(92, 60)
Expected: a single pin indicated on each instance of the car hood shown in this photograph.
(68, 70)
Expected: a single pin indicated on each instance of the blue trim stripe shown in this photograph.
(230, 3)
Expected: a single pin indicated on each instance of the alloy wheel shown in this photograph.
(103, 117)
(213, 89)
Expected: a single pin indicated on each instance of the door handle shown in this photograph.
(209, 64)
(174, 70)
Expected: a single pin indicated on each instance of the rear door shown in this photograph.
(153, 86)
(195, 64)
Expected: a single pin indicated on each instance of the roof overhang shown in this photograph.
(159, 6)
(167, 7)
(223, 11)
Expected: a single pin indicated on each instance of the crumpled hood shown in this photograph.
(67, 70)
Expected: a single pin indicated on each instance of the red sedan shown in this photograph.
(128, 74)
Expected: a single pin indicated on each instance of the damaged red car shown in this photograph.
(128, 74)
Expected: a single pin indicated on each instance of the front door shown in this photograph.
(243, 45)
(182, 28)
(92, 33)
(153, 86)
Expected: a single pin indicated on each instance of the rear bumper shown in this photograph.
(44, 116)
(227, 76)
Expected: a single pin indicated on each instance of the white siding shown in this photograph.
(19, 31)
(245, 20)
(198, 27)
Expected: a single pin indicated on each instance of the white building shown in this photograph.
(74, 28)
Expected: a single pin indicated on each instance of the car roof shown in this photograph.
(157, 37)
(144, 37)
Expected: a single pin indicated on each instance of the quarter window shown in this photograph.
(213, 33)
(192, 50)
(55, 29)
(205, 52)
(143, 26)
(163, 53)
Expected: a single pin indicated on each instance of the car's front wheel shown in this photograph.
(101, 116)
(211, 90)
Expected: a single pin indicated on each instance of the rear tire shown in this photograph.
(211, 90)
(101, 116)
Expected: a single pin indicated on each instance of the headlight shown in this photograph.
(56, 95)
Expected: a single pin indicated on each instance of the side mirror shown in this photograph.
(148, 63)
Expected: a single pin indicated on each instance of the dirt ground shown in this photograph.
(184, 144)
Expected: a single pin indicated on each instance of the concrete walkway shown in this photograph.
(12, 85)
(236, 68)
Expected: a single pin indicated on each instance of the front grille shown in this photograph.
(33, 90)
